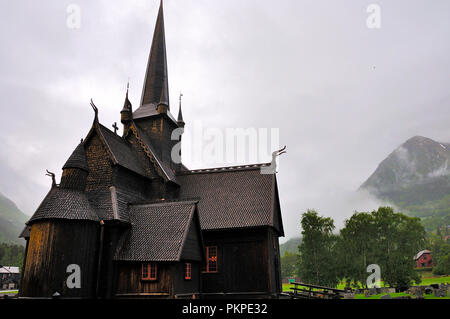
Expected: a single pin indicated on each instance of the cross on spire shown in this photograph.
(115, 127)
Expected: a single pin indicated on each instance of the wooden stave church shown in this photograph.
(141, 226)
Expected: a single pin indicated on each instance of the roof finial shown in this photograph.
(180, 113)
(52, 175)
(95, 110)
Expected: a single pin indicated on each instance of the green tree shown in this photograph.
(398, 239)
(441, 256)
(356, 248)
(317, 261)
(289, 265)
(11, 255)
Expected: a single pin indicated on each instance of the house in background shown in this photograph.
(424, 259)
(9, 278)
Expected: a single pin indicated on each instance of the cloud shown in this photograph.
(342, 95)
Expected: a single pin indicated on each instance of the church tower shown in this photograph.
(154, 116)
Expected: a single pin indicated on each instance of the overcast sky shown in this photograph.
(343, 96)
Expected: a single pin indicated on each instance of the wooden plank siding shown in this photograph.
(246, 263)
(73, 242)
(129, 283)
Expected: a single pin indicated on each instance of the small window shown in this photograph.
(188, 271)
(149, 272)
(424, 257)
(211, 259)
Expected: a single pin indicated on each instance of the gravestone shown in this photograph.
(349, 296)
(386, 297)
(428, 290)
(372, 291)
(418, 293)
(390, 291)
(440, 293)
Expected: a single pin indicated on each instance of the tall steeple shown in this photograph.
(156, 77)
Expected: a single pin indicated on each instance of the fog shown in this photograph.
(342, 95)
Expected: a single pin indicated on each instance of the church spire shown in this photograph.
(180, 114)
(156, 77)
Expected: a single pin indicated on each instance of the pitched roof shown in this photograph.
(238, 197)
(150, 110)
(7, 270)
(63, 203)
(25, 232)
(158, 231)
(77, 159)
(121, 151)
(112, 204)
(422, 253)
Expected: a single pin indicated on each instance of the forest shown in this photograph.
(383, 237)
(11, 255)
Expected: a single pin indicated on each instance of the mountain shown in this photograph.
(12, 221)
(416, 178)
(291, 246)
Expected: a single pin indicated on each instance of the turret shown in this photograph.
(126, 114)
(76, 170)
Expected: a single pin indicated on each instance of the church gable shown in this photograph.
(100, 164)
(144, 144)
(158, 232)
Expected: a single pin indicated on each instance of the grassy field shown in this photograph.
(427, 279)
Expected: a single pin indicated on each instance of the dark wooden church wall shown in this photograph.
(160, 131)
(273, 249)
(192, 248)
(243, 262)
(128, 182)
(129, 283)
(185, 287)
(54, 245)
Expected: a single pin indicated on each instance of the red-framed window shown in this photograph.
(211, 259)
(187, 271)
(149, 272)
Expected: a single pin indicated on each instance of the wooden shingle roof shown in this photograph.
(158, 231)
(77, 159)
(121, 151)
(66, 204)
(233, 197)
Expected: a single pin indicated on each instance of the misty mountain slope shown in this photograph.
(12, 221)
(290, 246)
(416, 178)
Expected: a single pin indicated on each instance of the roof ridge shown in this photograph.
(167, 202)
(225, 169)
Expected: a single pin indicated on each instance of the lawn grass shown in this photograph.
(9, 291)
(427, 279)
